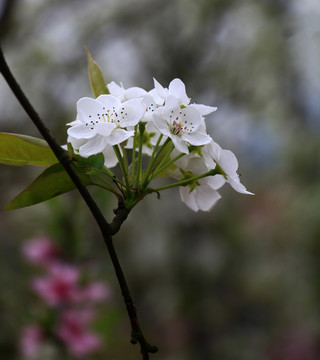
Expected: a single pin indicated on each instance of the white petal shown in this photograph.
(161, 124)
(197, 139)
(172, 102)
(74, 123)
(162, 92)
(214, 150)
(216, 181)
(151, 128)
(82, 131)
(110, 158)
(131, 112)
(206, 197)
(135, 92)
(115, 89)
(93, 146)
(76, 143)
(88, 109)
(228, 162)
(179, 144)
(178, 89)
(203, 109)
(158, 99)
(108, 102)
(237, 186)
(188, 197)
(104, 129)
(195, 164)
(118, 136)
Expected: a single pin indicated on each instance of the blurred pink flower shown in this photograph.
(73, 331)
(31, 340)
(40, 251)
(94, 292)
(60, 285)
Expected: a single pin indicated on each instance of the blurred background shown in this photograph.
(240, 282)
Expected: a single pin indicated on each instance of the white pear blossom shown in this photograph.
(201, 194)
(227, 162)
(182, 125)
(176, 89)
(125, 94)
(103, 121)
(163, 114)
(135, 93)
(203, 197)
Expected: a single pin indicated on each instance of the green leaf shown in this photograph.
(52, 182)
(97, 82)
(93, 161)
(16, 149)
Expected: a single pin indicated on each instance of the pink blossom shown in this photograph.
(60, 285)
(73, 331)
(40, 251)
(31, 340)
(94, 292)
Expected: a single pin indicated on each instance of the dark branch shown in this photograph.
(106, 229)
(121, 213)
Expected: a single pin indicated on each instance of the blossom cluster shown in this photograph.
(63, 294)
(163, 124)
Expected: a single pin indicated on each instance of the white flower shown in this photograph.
(125, 94)
(135, 93)
(102, 122)
(203, 197)
(201, 194)
(182, 125)
(227, 162)
(176, 89)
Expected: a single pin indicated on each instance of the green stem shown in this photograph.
(187, 181)
(139, 166)
(133, 163)
(160, 170)
(161, 149)
(122, 165)
(106, 188)
(163, 161)
(104, 184)
(151, 162)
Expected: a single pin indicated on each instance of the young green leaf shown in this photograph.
(16, 149)
(52, 182)
(97, 82)
(93, 161)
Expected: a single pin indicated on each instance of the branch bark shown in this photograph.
(107, 230)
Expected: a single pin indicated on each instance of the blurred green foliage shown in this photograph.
(241, 282)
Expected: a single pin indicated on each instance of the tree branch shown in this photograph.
(106, 229)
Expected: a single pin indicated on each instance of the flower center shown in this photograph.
(179, 123)
(110, 115)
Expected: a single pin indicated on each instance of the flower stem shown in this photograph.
(161, 165)
(122, 165)
(139, 165)
(151, 162)
(133, 163)
(185, 182)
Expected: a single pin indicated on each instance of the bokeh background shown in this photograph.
(241, 282)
